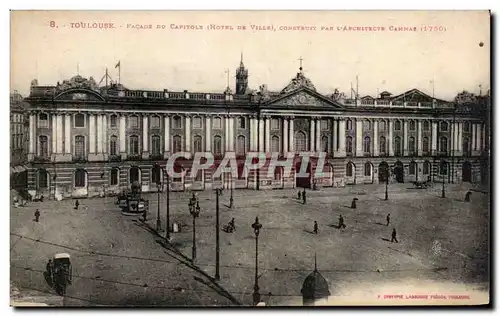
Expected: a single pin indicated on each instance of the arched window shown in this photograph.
(155, 145)
(324, 144)
(275, 124)
(367, 145)
(197, 143)
(397, 145)
(397, 125)
(156, 175)
(80, 178)
(177, 143)
(113, 144)
(466, 127)
(217, 144)
(275, 144)
(134, 145)
(443, 168)
(443, 144)
(443, 127)
(43, 120)
(348, 144)
(466, 146)
(412, 168)
(79, 120)
(349, 171)
(368, 169)
(217, 123)
(425, 144)
(43, 145)
(80, 146)
(177, 122)
(241, 122)
(43, 179)
(241, 144)
(366, 125)
(382, 144)
(427, 126)
(197, 122)
(113, 120)
(411, 145)
(412, 125)
(133, 175)
(348, 125)
(427, 167)
(300, 142)
(133, 121)
(114, 176)
(381, 125)
(155, 121)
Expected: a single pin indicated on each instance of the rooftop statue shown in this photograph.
(298, 82)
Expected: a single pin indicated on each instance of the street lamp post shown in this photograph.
(256, 229)
(231, 197)
(194, 209)
(388, 173)
(443, 194)
(218, 192)
(158, 220)
(168, 208)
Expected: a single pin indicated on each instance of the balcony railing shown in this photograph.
(115, 158)
(134, 157)
(79, 159)
(156, 157)
(41, 159)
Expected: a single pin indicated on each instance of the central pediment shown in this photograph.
(303, 97)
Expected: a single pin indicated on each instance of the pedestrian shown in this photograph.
(353, 203)
(144, 215)
(77, 204)
(341, 222)
(41, 198)
(49, 270)
(298, 195)
(37, 215)
(304, 196)
(231, 224)
(316, 227)
(388, 218)
(394, 236)
(467, 196)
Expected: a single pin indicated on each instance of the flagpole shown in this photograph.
(351, 90)
(119, 72)
(106, 76)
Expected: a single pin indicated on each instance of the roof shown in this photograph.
(315, 286)
(61, 256)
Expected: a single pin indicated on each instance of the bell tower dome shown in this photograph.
(241, 78)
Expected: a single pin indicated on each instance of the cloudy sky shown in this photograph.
(196, 59)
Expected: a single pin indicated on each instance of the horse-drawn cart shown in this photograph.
(61, 272)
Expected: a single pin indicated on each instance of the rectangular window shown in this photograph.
(217, 123)
(155, 122)
(114, 176)
(325, 124)
(197, 122)
(133, 122)
(275, 124)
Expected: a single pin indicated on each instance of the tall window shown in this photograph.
(133, 175)
(300, 141)
(366, 125)
(241, 122)
(443, 127)
(425, 144)
(241, 144)
(155, 145)
(217, 123)
(80, 146)
(382, 145)
(412, 125)
(325, 124)
(443, 144)
(80, 176)
(324, 144)
(113, 120)
(217, 145)
(397, 143)
(466, 146)
(427, 126)
(275, 144)
(368, 169)
(177, 122)
(43, 179)
(197, 122)
(397, 125)
(134, 145)
(348, 144)
(113, 144)
(79, 120)
(381, 125)
(114, 176)
(443, 168)
(177, 143)
(413, 168)
(466, 127)
(43, 120)
(44, 146)
(197, 144)
(348, 125)
(349, 172)
(367, 145)
(156, 175)
(155, 121)
(411, 145)
(427, 167)
(275, 124)
(278, 173)
(133, 121)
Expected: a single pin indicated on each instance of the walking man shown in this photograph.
(77, 204)
(304, 196)
(341, 222)
(37, 215)
(388, 219)
(144, 215)
(394, 236)
(316, 227)
(298, 195)
(231, 224)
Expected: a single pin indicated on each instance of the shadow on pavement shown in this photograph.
(377, 223)
(385, 239)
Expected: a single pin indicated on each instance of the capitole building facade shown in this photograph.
(86, 140)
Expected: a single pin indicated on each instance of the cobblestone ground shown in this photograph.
(442, 249)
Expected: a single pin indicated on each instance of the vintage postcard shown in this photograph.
(250, 158)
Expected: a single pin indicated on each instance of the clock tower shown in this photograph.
(241, 78)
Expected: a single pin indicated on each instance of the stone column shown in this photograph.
(390, 140)
(208, 134)
(473, 126)
(226, 134)
(60, 134)
(92, 134)
(268, 135)
(261, 135)
(32, 136)
(405, 137)
(188, 134)
(231, 134)
(459, 138)
(291, 143)
(255, 133)
(478, 137)
(483, 137)
(318, 134)
(105, 148)
(99, 133)
(145, 137)
(123, 148)
(419, 138)
(359, 138)
(341, 138)
(312, 135)
(166, 137)
(285, 134)
(54, 133)
(335, 141)
(434, 138)
(375, 138)
(67, 134)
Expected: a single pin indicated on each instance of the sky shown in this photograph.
(195, 60)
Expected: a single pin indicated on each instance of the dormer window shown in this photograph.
(43, 120)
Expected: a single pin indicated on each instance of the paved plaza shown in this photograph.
(443, 246)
